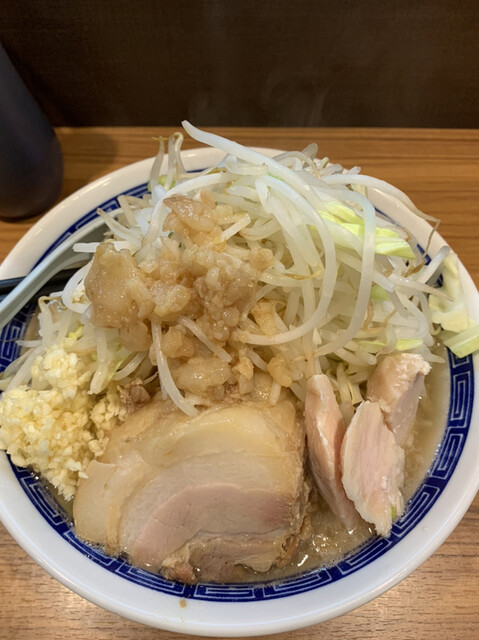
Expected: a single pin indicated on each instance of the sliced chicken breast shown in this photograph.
(373, 468)
(325, 432)
(397, 384)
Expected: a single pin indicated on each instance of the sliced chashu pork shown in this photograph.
(170, 488)
(325, 432)
(373, 468)
(215, 553)
(397, 384)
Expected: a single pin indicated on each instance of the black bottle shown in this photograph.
(31, 164)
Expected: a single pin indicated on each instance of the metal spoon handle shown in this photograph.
(60, 258)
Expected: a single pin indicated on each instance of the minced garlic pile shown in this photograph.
(54, 425)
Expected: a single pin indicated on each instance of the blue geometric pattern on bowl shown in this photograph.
(449, 452)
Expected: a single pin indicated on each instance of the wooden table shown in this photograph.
(440, 171)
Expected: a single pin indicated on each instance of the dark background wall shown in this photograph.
(249, 62)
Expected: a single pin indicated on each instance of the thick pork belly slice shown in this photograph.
(229, 497)
(169, 489)
(373, 468)
(325, 432)
(98, 503)
(397, 384)
(217, 553)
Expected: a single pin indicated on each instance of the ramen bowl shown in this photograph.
(43, 528)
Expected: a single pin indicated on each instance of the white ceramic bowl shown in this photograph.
(40, 526)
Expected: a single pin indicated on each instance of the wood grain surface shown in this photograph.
(440, 171)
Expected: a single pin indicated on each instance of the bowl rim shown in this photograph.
(198, 617)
